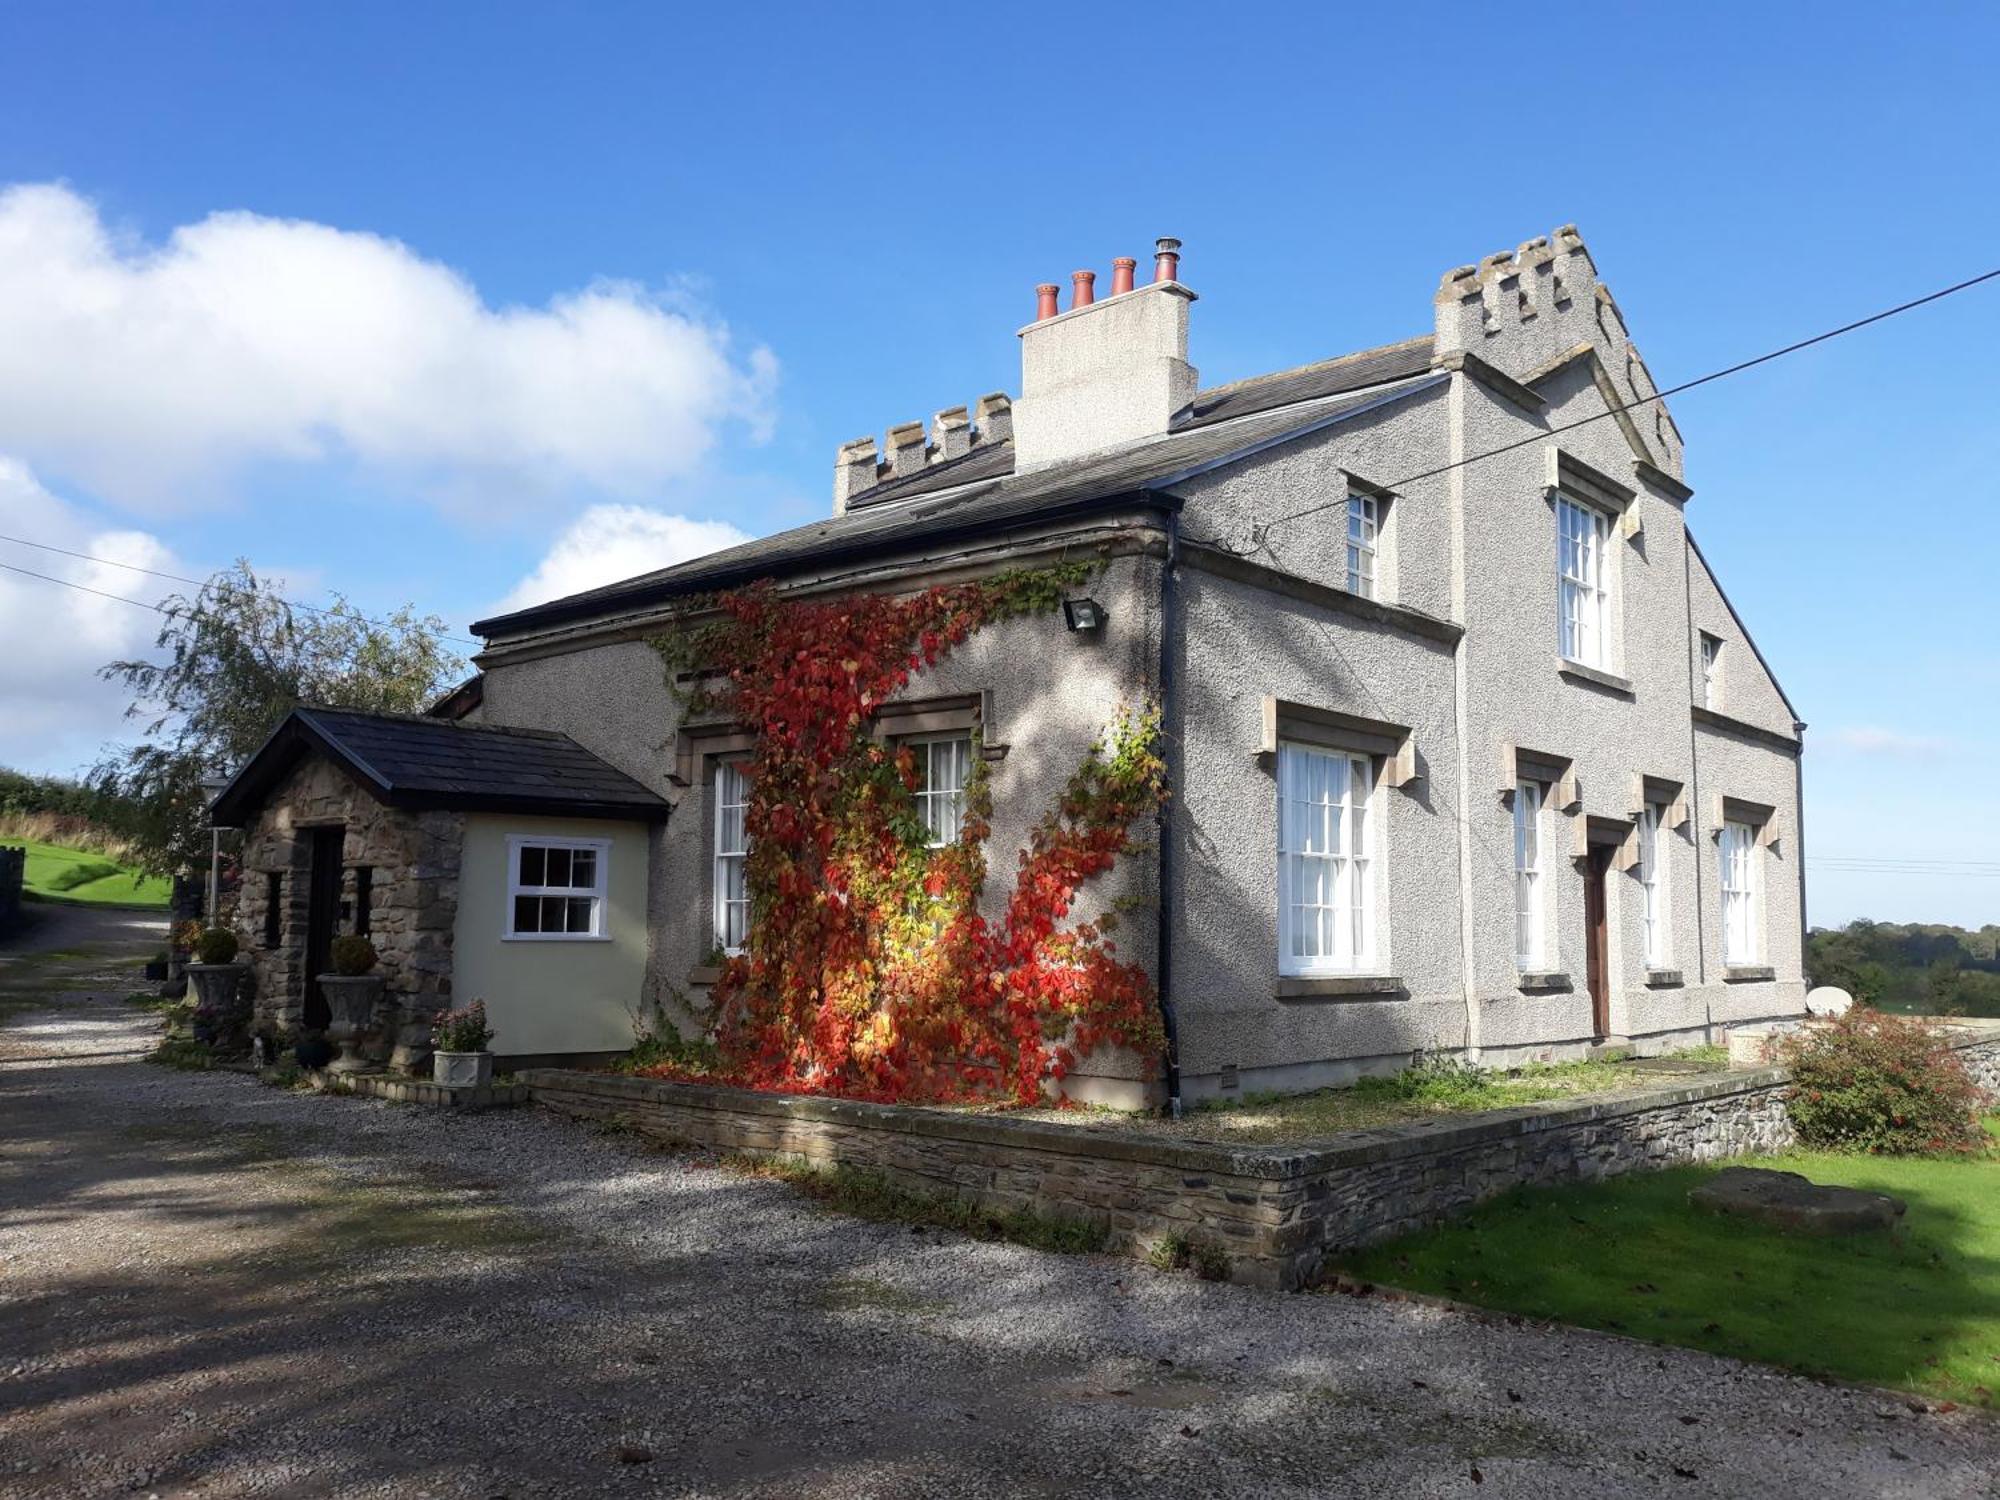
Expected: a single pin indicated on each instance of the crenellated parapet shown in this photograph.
(911, 448)
(1535, 310)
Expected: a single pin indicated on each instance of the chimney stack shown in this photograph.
(1104, 373)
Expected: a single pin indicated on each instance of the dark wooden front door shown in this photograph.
(322, 915)
(1597, 938)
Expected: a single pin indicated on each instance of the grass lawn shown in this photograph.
(1918, 1310)
(57, 874)
(1415, 1094)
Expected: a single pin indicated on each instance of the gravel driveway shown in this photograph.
(213, 1288)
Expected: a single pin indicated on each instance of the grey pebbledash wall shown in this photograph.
(1275, 1213)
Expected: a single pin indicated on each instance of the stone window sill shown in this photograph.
(1576, 671)
(1664, 979)
(1748, 973)
(1339, 987)
(704, 974)
(1543, 982)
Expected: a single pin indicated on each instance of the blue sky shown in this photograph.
(814, 223)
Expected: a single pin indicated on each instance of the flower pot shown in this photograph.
(462, 1069)
(350, 998)
(156, 969)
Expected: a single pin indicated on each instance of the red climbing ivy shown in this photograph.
(869, 969)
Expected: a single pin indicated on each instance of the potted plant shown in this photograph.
(459, 1039)
(351, 993)
(221, 1009)
(156, 966)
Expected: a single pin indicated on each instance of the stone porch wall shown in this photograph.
(412, 908)
(1276, 1213)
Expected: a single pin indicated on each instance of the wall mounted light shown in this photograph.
(1083, 614)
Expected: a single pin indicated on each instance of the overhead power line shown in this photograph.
(1259, 531)
(112, 562)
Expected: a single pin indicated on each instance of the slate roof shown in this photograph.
(980, 493)
(419, 763)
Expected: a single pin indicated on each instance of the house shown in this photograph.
(1469, 751)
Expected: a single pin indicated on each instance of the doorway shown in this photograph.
(1597, 937)
(322, 915)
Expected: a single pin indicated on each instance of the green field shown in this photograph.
(1917, 1309)
(58, 874)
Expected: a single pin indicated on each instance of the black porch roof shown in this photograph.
(422, 764)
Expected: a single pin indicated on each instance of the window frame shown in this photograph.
(924, 745)
(1711, 670)
(1355, 862)
(720, 900)
(598, 893)
(1740, 849)
(1592, 585)
(1530, 877)
(1362, 554)
(1655, 922)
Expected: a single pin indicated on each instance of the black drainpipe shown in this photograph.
(1170, 752)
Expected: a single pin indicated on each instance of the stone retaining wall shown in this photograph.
(1275, 1213)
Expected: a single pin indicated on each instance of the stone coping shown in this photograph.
(1349, 1148)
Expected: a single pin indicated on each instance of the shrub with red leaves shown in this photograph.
(1885, 1084)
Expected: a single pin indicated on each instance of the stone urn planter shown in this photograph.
(462, 1069)
(217, 986)
(220, 1019)
(351, 998)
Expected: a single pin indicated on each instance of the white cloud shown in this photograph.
(146, 371)
(57, 711)
(1869, 739)
(608, 543)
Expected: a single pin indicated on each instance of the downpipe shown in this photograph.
(1170, 737)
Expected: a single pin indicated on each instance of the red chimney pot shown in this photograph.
(1083, 288)
(1045, 301)
(1121, 274)
(1166, 259)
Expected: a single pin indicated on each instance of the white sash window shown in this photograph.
(732, 851)
(555, 888)
(943, 767)
(1653, 885)
(1361, 536)
(1530, 939)
(1326, 883)
(1580, 533)
(1739, 893)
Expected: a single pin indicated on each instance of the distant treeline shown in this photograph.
(1928, 967)
(68, 812)
(63, 796)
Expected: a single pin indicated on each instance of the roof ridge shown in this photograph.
(1318, 364)
(429, 721)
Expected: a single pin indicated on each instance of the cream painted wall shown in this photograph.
(543, 997)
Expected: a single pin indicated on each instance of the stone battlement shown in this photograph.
(910, 448)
